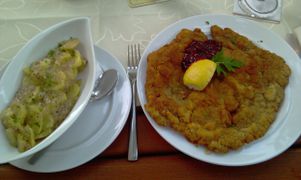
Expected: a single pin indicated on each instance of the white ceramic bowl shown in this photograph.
(36, 49)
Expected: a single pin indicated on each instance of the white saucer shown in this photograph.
(97, 127)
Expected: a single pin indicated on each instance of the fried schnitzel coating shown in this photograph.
(232, 110)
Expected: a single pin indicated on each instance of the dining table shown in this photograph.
(115, 25)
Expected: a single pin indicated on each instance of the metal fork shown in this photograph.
(133, 60)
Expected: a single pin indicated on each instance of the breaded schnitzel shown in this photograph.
(232, 110)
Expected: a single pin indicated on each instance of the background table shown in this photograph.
(114, 26)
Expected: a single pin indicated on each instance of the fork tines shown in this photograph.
(133, 55)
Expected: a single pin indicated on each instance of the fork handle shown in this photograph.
(133, 149)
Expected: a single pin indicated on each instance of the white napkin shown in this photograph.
(241, 8)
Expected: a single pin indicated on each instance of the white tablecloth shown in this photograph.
(114, 23)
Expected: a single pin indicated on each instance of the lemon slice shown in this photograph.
(199, 74)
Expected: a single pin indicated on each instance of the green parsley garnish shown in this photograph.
(225, 63)
(50, 53)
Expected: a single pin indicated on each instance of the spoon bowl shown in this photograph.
(104, 84)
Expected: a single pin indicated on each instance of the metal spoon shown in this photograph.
(104, 84)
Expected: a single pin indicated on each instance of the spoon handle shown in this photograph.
(33, 159)
(133, 149)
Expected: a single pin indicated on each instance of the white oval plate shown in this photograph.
(35, 49)
(286, 128)
(96, 128)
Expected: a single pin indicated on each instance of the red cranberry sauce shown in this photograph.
(197, 50)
